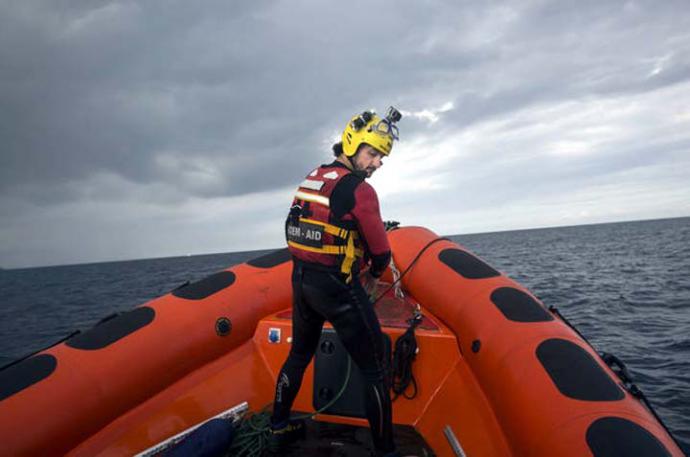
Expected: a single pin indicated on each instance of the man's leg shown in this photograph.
(354, 319)
(306, 331)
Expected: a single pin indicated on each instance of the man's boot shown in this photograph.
(285, 433)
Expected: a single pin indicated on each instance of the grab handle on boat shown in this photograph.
(622, 372)
(617, 366)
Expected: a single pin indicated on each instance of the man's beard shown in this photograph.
(368, 171)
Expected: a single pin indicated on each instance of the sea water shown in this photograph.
(625, 287)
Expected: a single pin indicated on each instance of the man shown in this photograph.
(334, 230)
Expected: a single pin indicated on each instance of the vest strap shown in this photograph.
(334, 230)
(329, 249)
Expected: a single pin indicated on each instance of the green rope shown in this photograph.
(254, 429)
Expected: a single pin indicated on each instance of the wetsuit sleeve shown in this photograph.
(366, 212)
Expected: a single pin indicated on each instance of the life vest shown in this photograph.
(313, 233)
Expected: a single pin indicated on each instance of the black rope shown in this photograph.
(555, 310)
(403, 357)
(406, 345)
(419, 254)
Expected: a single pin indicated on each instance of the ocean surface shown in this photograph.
(625, 286)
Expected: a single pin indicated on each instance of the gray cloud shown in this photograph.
(164, 103)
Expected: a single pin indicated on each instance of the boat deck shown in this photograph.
(326, 439)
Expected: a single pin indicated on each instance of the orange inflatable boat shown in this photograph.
(496, 374)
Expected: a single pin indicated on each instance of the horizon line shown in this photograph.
(96, 262)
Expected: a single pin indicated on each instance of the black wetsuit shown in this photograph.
(321, 294)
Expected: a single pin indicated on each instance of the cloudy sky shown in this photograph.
(159, 128)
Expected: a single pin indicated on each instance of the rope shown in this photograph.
(403, 357)
(402, 275)
(406, 345)
(254, 429)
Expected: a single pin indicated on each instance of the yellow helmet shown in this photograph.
(370, 129)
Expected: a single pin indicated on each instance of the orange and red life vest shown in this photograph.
(313, 233)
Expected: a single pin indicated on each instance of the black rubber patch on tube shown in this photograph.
(272, 259)
(615, 436)
(112, 330)
(206, 287)
(518, 306)
(575, 372)
(466, 265)
(28, 372)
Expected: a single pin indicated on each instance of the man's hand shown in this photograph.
(370, 285)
